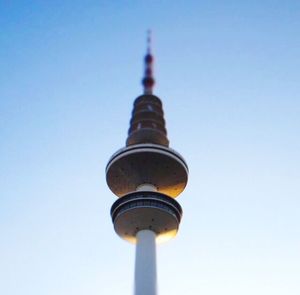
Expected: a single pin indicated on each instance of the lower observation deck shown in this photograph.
(146, 210)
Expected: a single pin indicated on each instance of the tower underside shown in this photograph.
(152, 164)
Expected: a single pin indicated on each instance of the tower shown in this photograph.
(147, 175)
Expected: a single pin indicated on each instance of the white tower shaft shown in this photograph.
(145, 263)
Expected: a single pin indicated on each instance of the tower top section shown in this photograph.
(147, 124)
(148, 80)
(147, 162)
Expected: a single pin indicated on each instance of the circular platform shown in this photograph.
(152, 164)
(146, 210)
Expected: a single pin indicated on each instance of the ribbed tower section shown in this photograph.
(147, 176)
(147, 124)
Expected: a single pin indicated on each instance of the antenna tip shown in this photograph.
(149, 40)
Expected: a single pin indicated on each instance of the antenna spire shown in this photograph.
(149, 39)
(148, 80)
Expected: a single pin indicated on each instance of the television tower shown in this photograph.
(147, 176)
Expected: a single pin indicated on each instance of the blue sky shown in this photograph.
(228, 75)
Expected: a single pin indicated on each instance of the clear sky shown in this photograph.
(228, 75)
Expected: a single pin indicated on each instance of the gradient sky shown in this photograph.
(228, 75)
